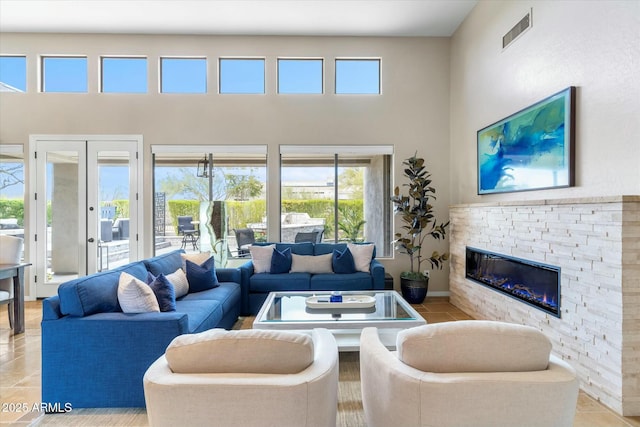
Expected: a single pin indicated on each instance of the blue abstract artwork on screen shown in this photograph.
(529, 150)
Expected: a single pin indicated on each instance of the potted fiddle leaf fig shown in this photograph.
(418, 224)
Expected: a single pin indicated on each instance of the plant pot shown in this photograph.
(414, 291)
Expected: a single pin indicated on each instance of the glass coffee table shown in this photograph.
(289, 311)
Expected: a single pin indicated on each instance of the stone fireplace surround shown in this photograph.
(596, 243)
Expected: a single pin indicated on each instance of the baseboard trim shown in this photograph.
(439, 294)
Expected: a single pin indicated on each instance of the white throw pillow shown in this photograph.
(179, 281)
(362, 255)
(311, 264)
(261, 257)
(243, 351)
(196, 258)
(135, 296)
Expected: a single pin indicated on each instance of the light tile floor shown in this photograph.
(20, 371)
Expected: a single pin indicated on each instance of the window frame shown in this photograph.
(345, 156)
(309, 59)
(26, 62)
(42, 73)
(361, 59)
(220, 157)
(15, 154)
(242, 58)
(124, 57)
(187, 58)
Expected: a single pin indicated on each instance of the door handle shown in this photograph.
(91, 240)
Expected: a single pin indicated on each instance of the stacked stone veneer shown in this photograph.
(596, 243)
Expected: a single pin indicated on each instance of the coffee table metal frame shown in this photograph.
(288, 311)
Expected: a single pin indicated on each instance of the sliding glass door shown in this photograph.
(209, 198)
(337, 193)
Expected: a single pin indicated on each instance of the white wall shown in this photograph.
(412, 113)
(593, 45)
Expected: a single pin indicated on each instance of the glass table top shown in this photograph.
(285, 307)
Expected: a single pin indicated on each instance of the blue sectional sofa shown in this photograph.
(256, 287)
(94, 355)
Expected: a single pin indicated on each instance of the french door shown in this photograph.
(86, 208)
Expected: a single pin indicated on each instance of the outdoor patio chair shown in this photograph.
(185, 224)
(245, 237)
(314, 236)
(121, 229)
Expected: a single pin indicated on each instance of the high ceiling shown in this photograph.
(437, 18)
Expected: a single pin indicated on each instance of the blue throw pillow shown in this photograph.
(281, 261)
(201, 277)
(342, 262)
(164, 291)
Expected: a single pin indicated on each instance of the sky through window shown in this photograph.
(13, 72)
(64, 74)
(183, 75)
(241, 76)
(124, 75)
(300, 76)
(190, 75)
(357, 76)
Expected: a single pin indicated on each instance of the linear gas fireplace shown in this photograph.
(531, 282)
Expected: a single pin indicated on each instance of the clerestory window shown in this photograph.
(123, 75)
(183, 75)
(13, 73)
(357, 76)
(300, 76)
(241, 76)
(64, 74)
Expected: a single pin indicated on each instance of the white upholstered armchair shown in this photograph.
(245, 378)
(466, 373)
(10, 252)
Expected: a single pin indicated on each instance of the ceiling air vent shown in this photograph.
(519, 28)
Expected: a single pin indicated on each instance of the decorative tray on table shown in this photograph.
(348, 301)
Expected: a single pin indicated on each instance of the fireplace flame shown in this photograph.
(515, 277)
